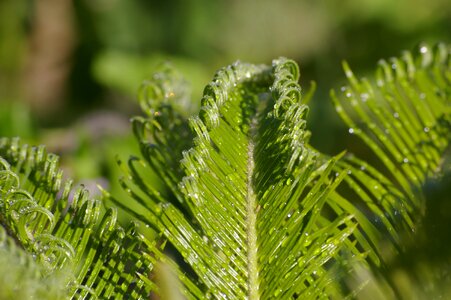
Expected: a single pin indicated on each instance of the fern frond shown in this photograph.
(255, 211)
(249, 214)
(405, 119)
(64, 229)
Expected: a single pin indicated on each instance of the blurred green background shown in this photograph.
(70, 70)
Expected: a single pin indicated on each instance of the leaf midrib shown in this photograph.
(251, 219)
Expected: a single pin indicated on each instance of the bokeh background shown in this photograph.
(70, 70)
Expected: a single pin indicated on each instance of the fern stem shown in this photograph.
(251, 221)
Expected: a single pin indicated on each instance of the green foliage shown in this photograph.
(248, 208)
(256, 212)
(23, 278)
(65, 231)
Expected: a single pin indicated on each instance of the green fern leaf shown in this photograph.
(248, 212)
(64, 232)
(405, 120)
(255, 211)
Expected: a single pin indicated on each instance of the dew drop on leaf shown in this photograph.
(364, 97)
(301, 262)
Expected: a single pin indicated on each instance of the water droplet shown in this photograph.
(364, 97)
(351, 130)
(301, 262)
(362, 168)
(336, 174)
(349, 172)
(423, 49)
(169, 94)
(426, 129)
(343, 88)
(393, 66)
(396, 115)
(422, 96)
(405, 160)
(348, 95)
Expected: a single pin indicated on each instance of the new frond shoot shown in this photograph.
(256, 212)
(246, 207)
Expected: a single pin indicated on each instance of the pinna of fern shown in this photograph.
(256, 212)
(62, 234)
